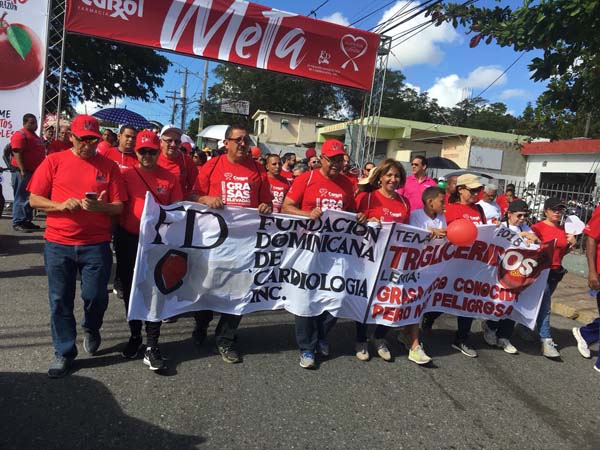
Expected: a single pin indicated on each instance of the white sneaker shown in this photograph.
(549, 348)
(505, 345)
(489, 335)
(382, 349)
(418, 355)
(582, 345)
(362, 351)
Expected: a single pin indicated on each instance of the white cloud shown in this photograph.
(512, 93)
(337, 17)
(413, 86)
(424, 47)
(452, 89)
(89, 107)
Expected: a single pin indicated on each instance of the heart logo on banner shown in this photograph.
(353, 47)
(170, 271)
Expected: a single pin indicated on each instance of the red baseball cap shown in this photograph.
(310, 152)
(332, 147)
(147, 139)
(256, 153)
(84, 125)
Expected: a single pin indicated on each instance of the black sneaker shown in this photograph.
(21, 229)
(132, 348)
(91, 341)
(198, 335)
(229, 354)
(153, 359)
(30, 225)
(59, 367)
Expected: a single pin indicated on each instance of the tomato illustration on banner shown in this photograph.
(520, 267)
(170, 271)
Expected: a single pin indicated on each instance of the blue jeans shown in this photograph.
(63, 262)
(21, 211)
(310, 330)
(591, 332)
(543, 318)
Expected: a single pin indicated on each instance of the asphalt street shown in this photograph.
(495, 401)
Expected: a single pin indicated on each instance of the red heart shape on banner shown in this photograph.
(170, 271)
(353, 47)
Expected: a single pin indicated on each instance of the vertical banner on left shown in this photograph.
(23, 43)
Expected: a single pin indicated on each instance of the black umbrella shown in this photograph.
(123, 116)
(438, 162)
(458, 173)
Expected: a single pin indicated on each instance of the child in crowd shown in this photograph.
(431, 217)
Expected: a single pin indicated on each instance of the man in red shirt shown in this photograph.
(288, 162)
(590, 334)
(417, 183)
(63, 142)
(146, 176)
(174, 160)
(123, 154)
(28, 152)
(279, 185)
(232, 179)
(312, 193)
(80, 191)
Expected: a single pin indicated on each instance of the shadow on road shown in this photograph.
(75, 412)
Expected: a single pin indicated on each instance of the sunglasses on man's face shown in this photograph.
(147, 151)
(475, 190)
(87, 139)
(522, 215)
(240, 140)
(172, 141)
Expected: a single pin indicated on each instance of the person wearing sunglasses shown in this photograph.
(231, 179)
(462, 206)
(80, 191)
(145, 176)
(312, 193)
(499, 333)
(417, 182)
(173, 159)
(549, 229)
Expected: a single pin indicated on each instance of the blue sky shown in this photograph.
(438, 60)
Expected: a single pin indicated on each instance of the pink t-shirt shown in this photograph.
(413, 190)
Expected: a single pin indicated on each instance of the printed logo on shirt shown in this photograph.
(388, 213)
(237, 191)
(475, 219)
(161, 189)
(278, 194)
(101, 178)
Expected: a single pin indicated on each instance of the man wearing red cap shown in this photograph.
(28, 152)
(312, 193)
(173, 159)
(232, 179)
(80, 191)
(146, 176)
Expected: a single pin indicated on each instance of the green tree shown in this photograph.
(566, 31)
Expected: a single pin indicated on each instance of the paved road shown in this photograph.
(269, 402)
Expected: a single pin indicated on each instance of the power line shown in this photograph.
(501, 75)
(314, 11)
(372, 12)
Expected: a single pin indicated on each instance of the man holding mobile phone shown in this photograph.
(79, 190)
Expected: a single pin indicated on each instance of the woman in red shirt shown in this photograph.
(462, 206)
(381, 203)
(547, 230)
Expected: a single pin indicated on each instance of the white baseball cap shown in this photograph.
(170, 127)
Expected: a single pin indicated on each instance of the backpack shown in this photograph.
(7, 155)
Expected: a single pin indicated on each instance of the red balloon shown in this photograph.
(461, 232)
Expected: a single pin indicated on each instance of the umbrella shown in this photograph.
(473, 172)
(439, 162)
(123, 116)
(216, 132)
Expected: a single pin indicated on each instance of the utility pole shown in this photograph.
(173, 97)
(183, 95)
(202, 109)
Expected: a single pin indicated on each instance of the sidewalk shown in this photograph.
(571, 299)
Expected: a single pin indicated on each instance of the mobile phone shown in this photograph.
(91, 195)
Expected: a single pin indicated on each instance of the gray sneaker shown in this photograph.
(582, 345)
(462, 347)
(91, 341)
(489, 335)
(59, 367)
(549, 348)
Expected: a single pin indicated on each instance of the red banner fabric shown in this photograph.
(238, 32)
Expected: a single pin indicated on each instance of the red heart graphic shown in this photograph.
(170, 271)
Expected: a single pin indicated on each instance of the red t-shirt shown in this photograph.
(374, 204)
(592, 229)
(549, 232)
(353, 180)
(502, 203)
(313, 190)
(279, 187)
(238, 184)
(459, 211)
(123, 160)
(183, 167)
(58, 146)
(165, 188)
(31, 147)
(288, 174)
(64, 175)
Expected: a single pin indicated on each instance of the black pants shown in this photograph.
(504, 328)
(464, 324)
(225, 333)
(361, 332)
(310, 330)
(126, 245)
